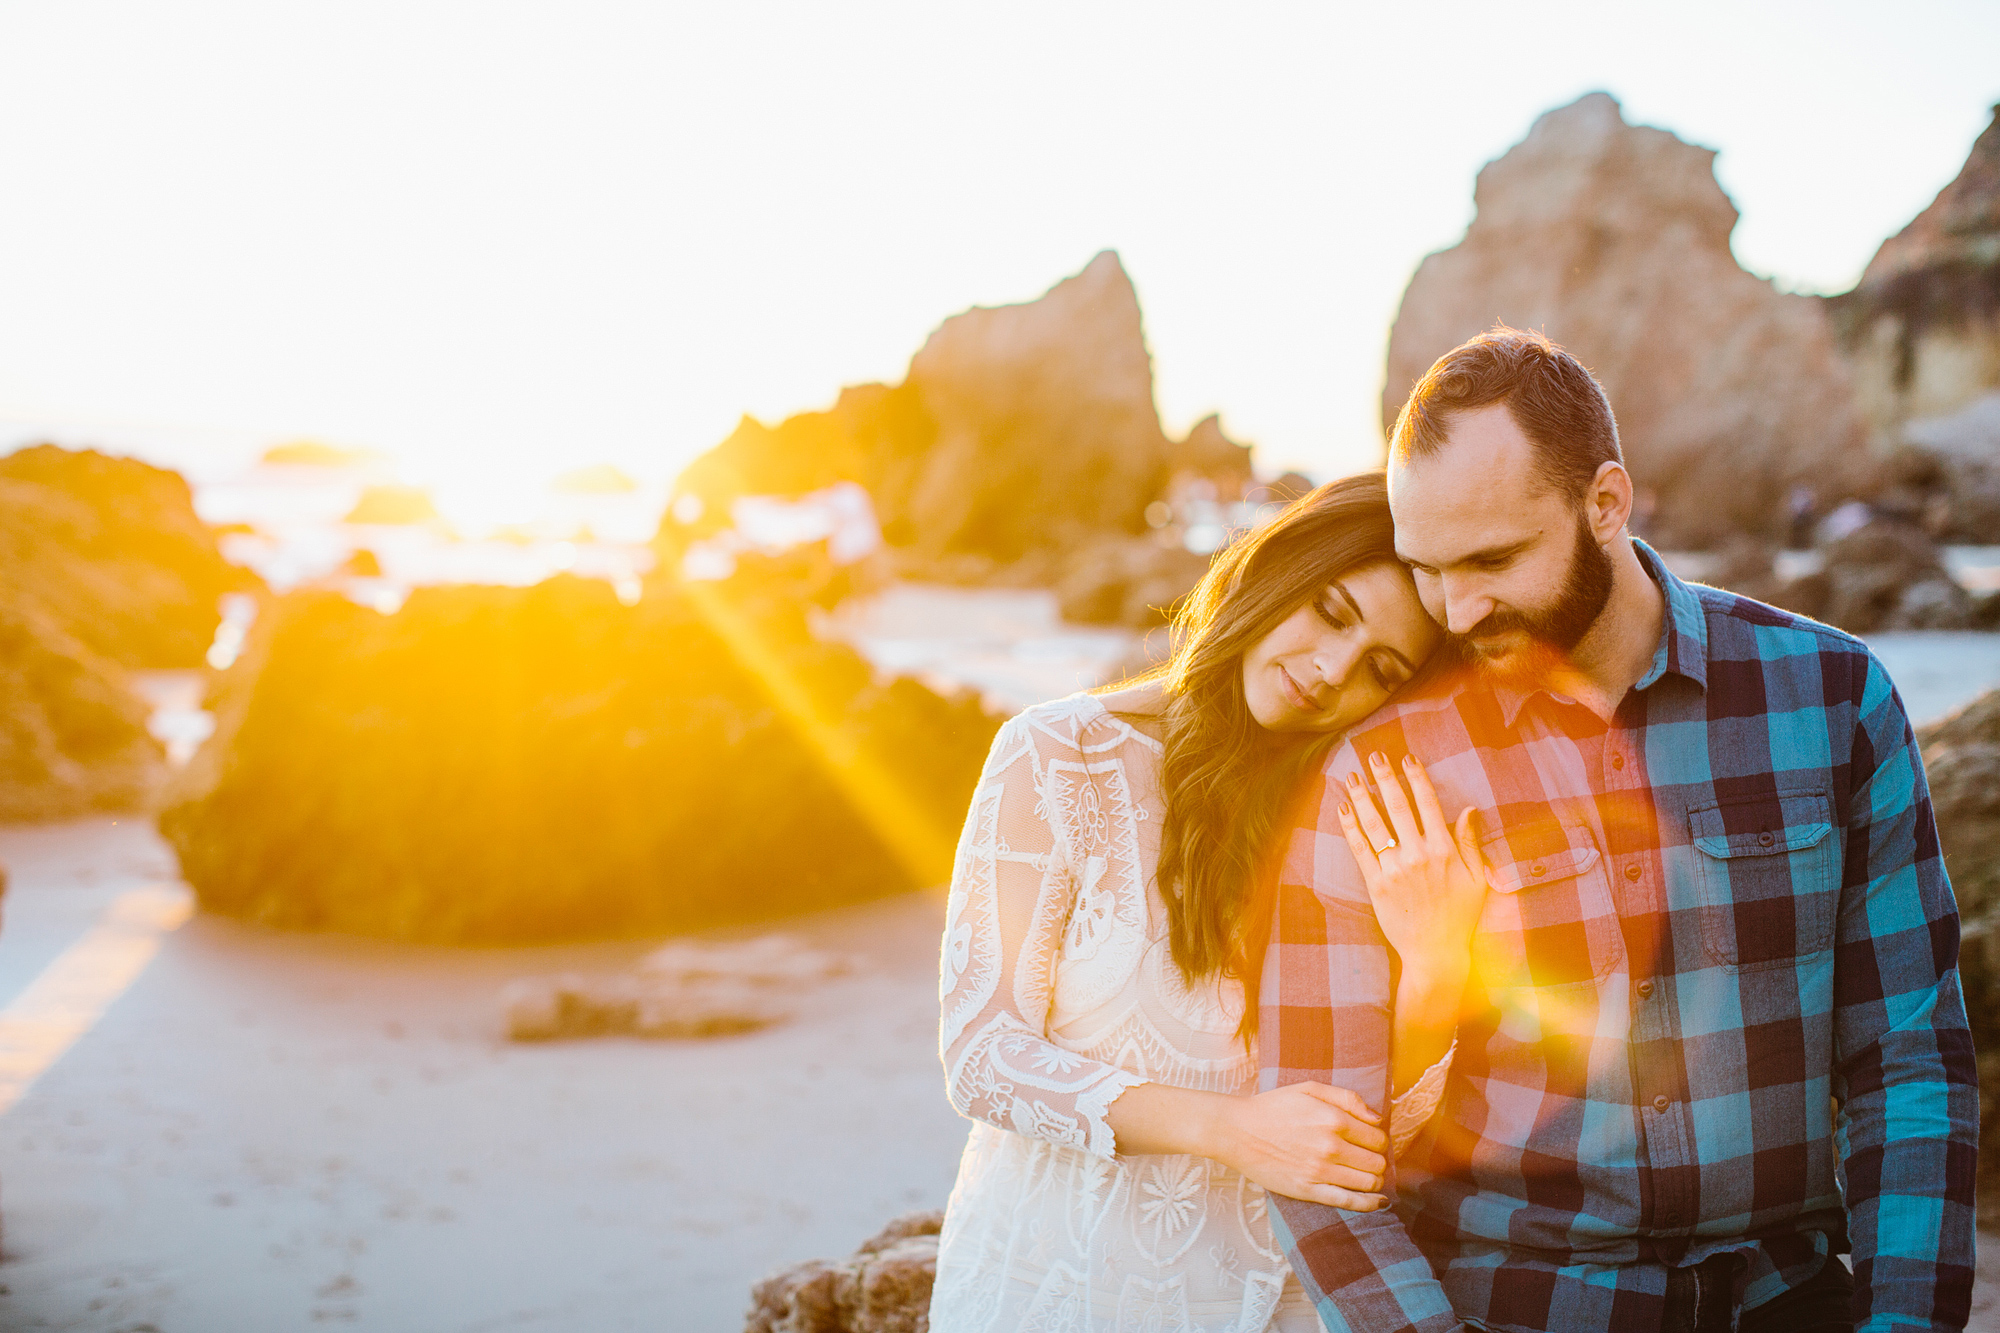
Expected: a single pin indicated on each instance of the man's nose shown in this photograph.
(1464, 606)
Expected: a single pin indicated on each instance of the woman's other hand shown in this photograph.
(1424, 876)
(1308, 1141)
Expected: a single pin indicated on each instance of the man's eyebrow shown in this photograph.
(1492, 554)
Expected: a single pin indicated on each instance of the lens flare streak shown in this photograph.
(924, 850)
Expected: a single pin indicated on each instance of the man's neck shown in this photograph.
(1620, 646)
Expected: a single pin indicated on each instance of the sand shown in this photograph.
(271, 1132)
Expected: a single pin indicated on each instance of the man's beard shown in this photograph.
(1496, 643)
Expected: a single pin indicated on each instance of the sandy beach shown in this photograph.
(272, 1132)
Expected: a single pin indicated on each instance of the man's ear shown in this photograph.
(1607, 504)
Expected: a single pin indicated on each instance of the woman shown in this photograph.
(1102, 930)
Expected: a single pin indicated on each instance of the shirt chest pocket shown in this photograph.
(1549, 918)
(1767, 876)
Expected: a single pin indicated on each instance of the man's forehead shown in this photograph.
(1480, 491)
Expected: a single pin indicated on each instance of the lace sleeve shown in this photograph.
(1011, 894)
(1410, 1112)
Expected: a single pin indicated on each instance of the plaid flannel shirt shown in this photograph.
(1715, 986)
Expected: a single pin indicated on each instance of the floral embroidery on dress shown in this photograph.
(1059, 993)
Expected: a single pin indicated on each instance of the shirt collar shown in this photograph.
(1683, 646)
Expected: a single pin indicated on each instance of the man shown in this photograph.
(1717, 958)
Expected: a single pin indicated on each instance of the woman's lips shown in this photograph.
(1298, 697)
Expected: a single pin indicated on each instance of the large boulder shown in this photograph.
(1923, 324)
(113, 549)
(73, 735)
(1131, 581)
(1613, 239)
(1046, 423)
(1886, 574)
(104, 566)
(884, 1287)
(1962, 761)
(1021, 433)
(514, 764)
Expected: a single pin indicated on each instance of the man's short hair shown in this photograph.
(1558, 405)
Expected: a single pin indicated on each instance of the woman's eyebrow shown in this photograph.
(1347, 597)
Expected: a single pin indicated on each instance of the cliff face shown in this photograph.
(1021, 431)
(1923, 325)
(1613, 239)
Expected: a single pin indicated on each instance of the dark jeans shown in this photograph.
(1699, 1301)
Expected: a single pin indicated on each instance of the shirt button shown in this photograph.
(1632, 871)
(1618, 761)
(1646, 993)
(1660, 1103)
(1537, 869)
(1764, 839)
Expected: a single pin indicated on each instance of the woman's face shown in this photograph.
(1339, 657)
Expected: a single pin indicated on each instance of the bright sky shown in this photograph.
(502, 240)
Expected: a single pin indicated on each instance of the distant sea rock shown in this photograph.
(1923, 324)
(1022, 433)
(520, 764)
(113, 549)
(104, 567)
(73, 735)
(1613, 239)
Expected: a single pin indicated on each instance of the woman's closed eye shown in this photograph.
(1390, 670)
(1336, 619)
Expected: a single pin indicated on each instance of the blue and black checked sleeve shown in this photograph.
(1903, 1060)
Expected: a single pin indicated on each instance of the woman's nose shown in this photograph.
(1335, 661)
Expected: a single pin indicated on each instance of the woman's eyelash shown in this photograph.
(1326, 614)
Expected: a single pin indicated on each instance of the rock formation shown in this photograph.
(1923, 324)
(73, 735)
(113, 549)
(691, 988)
(1613, 239)
(493, 764)
(885, 1287)
(103, 567)
(1212, 456)
(1962, 761)
(1021, 432)
(1131, 581)
(1046, 426)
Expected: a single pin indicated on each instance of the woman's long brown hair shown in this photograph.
(1225, 778)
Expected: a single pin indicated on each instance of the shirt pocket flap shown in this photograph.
(1540, 851)
(1762, 825)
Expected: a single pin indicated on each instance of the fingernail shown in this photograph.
(1354, 781)
(1409, 761)
(1346, 810)
(1379, 759)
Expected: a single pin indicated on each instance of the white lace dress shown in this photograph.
(1059, 993)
